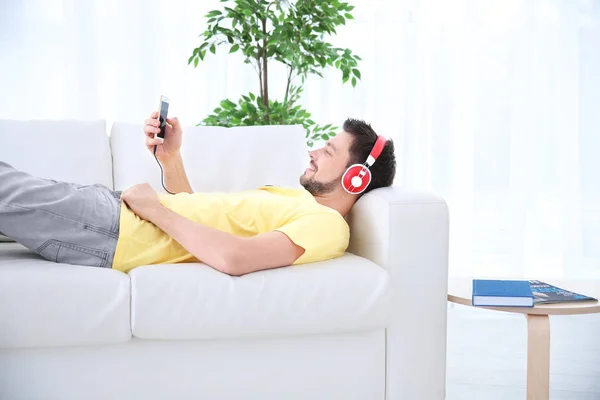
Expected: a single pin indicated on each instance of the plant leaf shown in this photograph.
(234, 48)
(213, 13)
(228, 105)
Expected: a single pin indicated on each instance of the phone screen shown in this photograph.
(162, 118)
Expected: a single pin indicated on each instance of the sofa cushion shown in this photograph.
(216, 158)
(5, 238)
(69, 150)
(16, 251)
(44, 304)
(194, 301)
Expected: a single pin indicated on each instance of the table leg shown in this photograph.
(538, 357)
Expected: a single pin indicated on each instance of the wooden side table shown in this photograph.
(538, 325)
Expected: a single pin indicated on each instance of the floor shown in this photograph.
(487, 356)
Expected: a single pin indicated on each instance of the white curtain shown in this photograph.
(493, 104)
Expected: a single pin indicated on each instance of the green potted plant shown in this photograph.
(290, 32)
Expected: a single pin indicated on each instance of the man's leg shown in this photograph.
(63, 222)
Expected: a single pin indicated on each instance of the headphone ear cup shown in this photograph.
(355, 171)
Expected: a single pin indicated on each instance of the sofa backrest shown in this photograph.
(215, 158)
(68, 150)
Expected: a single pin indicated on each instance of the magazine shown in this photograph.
(545, 293)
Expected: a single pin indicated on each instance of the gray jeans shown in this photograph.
(63, 222)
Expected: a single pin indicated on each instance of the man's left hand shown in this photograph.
(142, 200)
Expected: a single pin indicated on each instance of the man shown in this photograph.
(235, 233)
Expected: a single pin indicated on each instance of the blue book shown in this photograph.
(502, 293)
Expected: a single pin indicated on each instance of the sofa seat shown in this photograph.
(44, 304)
(194, 301)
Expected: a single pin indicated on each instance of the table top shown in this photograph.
(460, 291)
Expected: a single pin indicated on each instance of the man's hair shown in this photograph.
(364, 138)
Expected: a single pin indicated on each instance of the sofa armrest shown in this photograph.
(407, 233)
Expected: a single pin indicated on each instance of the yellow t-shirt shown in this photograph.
(320, 230)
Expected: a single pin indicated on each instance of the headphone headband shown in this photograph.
(377, 149)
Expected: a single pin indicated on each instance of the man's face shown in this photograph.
(327, 165)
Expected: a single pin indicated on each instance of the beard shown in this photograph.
(317, 188)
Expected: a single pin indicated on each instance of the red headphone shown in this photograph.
(358, 176)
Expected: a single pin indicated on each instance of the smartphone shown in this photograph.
(162, 115)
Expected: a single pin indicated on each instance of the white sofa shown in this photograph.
(370, 325)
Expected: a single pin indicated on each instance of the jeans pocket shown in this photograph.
(71, 253)
(49, 250)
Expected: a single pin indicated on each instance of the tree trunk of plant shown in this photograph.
(265, 80)
(260, 81)
(287, 88)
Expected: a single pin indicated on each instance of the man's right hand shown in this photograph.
(167, 148)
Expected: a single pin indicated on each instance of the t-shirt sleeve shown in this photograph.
(322, 236)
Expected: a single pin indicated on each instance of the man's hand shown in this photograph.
(142, 200)
(168, 147)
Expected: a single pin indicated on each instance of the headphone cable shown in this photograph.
(161, 172)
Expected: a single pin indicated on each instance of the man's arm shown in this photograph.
(225, 252)
(175, 177)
